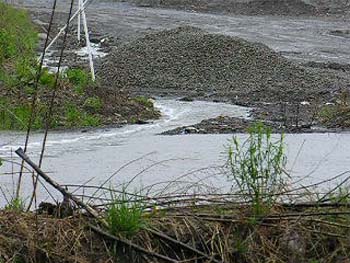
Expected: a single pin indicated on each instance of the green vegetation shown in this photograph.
(124, 215)
(16, 205)
(337, 115)
(93, 104)
(79, 78)
(257, 167)
(18, 40)
(79, 102)
(77, 117)
(144, 101)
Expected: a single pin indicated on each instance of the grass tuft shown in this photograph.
(124, 215)
(257, 167)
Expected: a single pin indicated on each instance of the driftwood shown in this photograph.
(61, 189)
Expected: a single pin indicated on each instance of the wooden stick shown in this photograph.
(53, 183)
(132, 245)
(179, 243)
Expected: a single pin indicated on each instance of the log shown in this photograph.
(57, 186)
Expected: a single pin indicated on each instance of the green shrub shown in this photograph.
(257, 167)
(47, 79)
(73, 115)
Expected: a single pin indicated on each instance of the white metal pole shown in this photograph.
(64, 27)
(88, 45)
(79, 15)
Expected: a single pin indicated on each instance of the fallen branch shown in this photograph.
(57, 186)
(179, 243)
(132, 245)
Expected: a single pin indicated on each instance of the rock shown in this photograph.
(141, 122)
(42, 36)
(187, 98)
(190, 130)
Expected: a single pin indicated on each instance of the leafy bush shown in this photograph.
(90, 121)
(257, 167)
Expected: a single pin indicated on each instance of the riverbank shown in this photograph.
(76, 100)
(222, 232)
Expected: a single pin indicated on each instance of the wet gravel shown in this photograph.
(189, 61)
(253, 7)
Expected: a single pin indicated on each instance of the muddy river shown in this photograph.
(92, 156)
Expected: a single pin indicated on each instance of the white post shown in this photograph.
(79, 15)
(88, 45)
(65, 26)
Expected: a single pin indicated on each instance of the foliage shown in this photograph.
(341, 195)
(257, 167)
(144, 101)
(75, 117)
(16, 117)
(16, 204)
(93, 104)
(337, 115)
(18, 40)
(79, 78)
(124, 215)
(18, 37)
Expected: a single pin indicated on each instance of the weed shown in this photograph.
(144, 101)
(93, 104)
(47, 79)
(338, 114)
(16, 204)
(124, 215)
(76, 117)
(16, 117)
(90, 121)
(79, 78)
(340, 196)
(257, 167)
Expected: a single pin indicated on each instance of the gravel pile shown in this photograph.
(190, 61)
